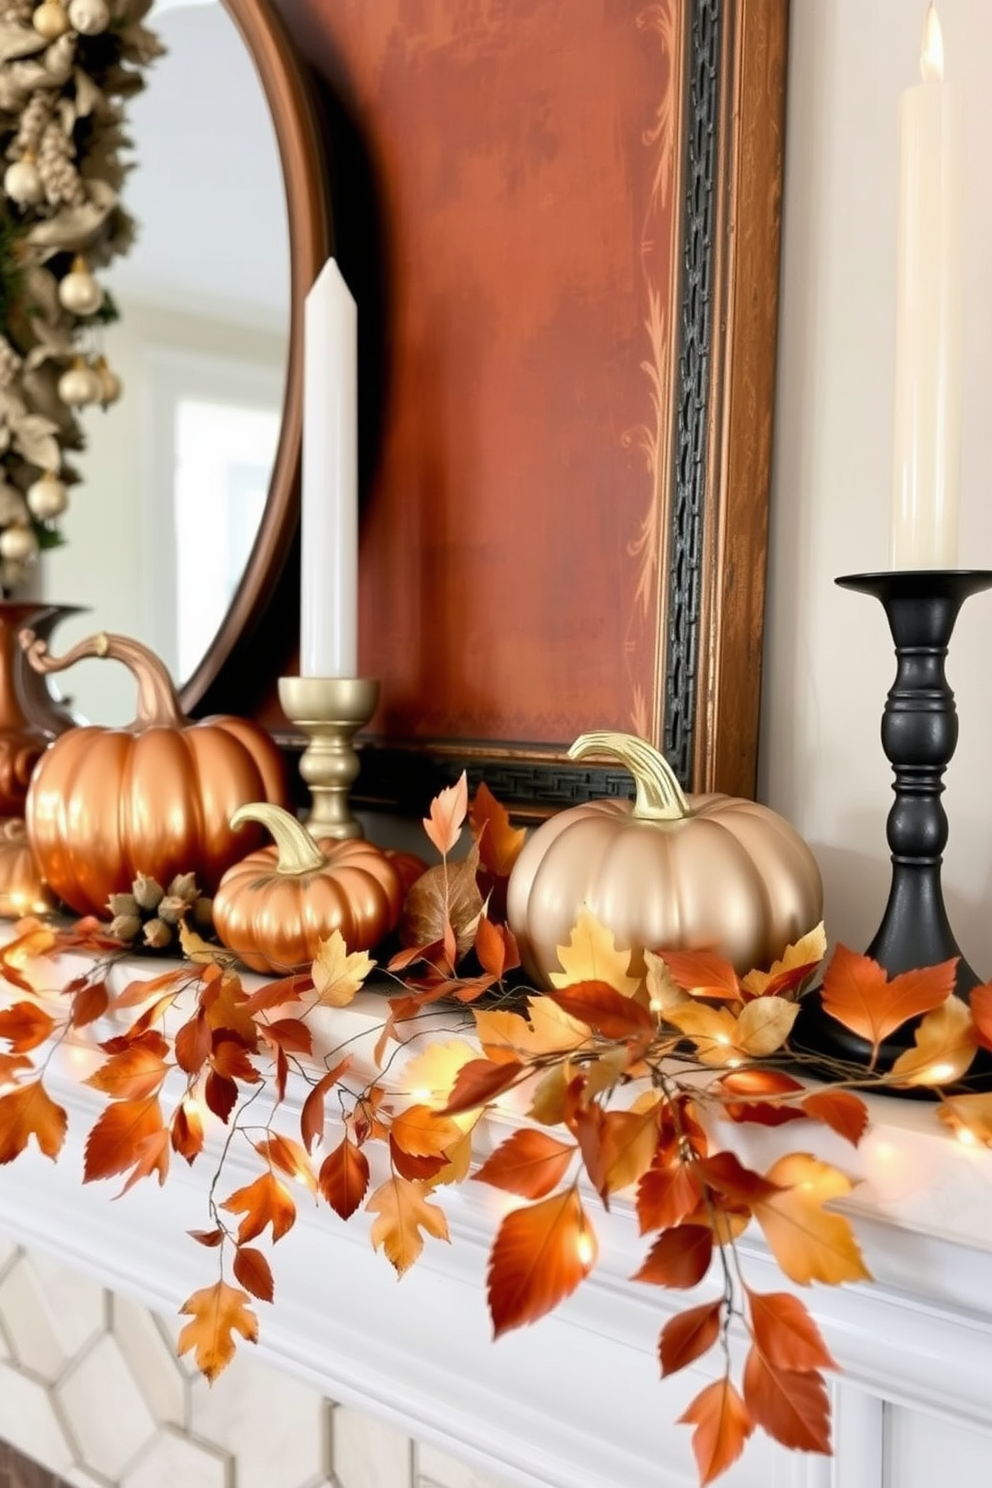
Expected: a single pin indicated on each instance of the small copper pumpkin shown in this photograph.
(275, 907)
(156, 797)
(23, 891)
(670, 872)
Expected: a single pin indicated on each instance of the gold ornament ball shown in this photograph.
(79, 385)
(111, 386)
(23, 184)
(48, 497)
(89, 17)
(18, 544)
(80, 293)
(12, 506)
(50, 20)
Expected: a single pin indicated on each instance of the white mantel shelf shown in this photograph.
(573, 1401)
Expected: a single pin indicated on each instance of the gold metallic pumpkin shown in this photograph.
(275, 907)
(106, 804)
(668, 872)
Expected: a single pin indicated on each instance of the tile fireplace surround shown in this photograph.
(89, 1384)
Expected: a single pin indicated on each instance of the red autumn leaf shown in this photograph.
(210, 1238)
(586, 1121)
(312, 1115)
(281, 1074)
(289, 1157)
(151, 1040)
(448, 810)
(417, 1167)
(133, 1074)
(539, 1256)
(605, 1009)
(254, 1272)
(27, 1112)
(752, 1089)
(187, 1131)
(680, 1257)
(25, 1026)
(138, 993)
(530, 1163)
(499, 843)
(479, 1082)
(725, 1172)
(89, 1003)
(115, 1142)
(221, 1095)
(193, 1043)
(786, 1334)
(264, 1202)
(859, 995)
(666, 1196)
(291, 1034)
(688, 1335)
(842, 1111)
(793, 1408)
(344, 1178)
(230, 1060)
(703, 974)
(279, 994)
(723, 1424)
(981, 1012)
(217, 1313)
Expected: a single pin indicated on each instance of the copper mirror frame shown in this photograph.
(216, 683)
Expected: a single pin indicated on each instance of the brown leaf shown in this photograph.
(444, 899)
(529, 1163)
(264, 1202)
(217, 1313)
(221, 1095)
(680, 1257)
(479, 1082)
(312, 1115)
(602, 1008)
(540, 1255)
(793, 1408)
(402, 1211)
(114, 1143)
(786, 1334)
(25, 1026)
(844, 1112)
(858, 994)
(448, 810)
(723, 1424)
(688, 1335)
(27, 1112)
(254, 1272)
(344, 1178)
(210, 1238)
(500, 844)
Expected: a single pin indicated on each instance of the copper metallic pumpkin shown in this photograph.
(666, 872)
(23, 891)
(106, 804)
(275, 907)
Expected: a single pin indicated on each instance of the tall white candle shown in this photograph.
(929, 306)
(329, 497)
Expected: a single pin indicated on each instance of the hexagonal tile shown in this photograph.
(105, 1410)
(29, 1423)
(274, 1426)
(436, 1469)
(49, 1313)
(151, 1360)
(366, 1453)
(173, 1458)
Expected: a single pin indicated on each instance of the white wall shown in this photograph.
(829, 660)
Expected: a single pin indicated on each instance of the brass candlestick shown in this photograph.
(330, 711)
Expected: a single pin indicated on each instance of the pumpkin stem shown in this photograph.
(158, 703)
(298, 853)
(659, 795)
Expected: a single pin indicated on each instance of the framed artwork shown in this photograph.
(565, 516)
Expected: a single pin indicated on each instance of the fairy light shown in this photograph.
(585, 1247)
(192, 1109)
(966, 1136)
(939, 1072)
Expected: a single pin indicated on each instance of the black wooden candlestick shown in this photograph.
(919, 735)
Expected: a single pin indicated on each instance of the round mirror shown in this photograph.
(188, 499)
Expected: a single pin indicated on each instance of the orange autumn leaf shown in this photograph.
(794, 967)
(756, 1096)
(312, 1115)
(186, 1130)
(152, 1156)
(89, 1003)
(546, 1029)
(230, 1061)
(809, 1243)
(134, 1073)
(980, 1000)
(841, 1110)
(12, 1065)
(25, 1026)
(944, 1045)
(217, 1313)
(402, 1211)
(666, 1195)
(254, 1272)
(267, 1201)
(603, 1008)
(479, 1082)
(226, 1004)
(688, 1335)
(500, 844)
(786, 1334)
(703, 974)
(220, 1094)
(680, 1257)
(289, 1157)
(857, 992)
(970, 1116)
(447, 815)
(27, 1112)
(290, 1034)
(193, 1043)
(421, 1131)
(116, 1141)
(529, 1164)
(628, 1142)
(540, 1255)
(496, 948)
(793, 1408)
(723, 1424)
(344, 1178)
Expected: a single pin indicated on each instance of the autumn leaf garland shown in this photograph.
(628, 1084)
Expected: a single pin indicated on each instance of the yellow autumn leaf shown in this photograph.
(810, 948)
(430, 1076)
(764, 1025)
(402, 1211)
(200, 951)
(548, 1104)
(944, 1045)
(545, 1030)
(712, 1030)
(338, 975)
(809, 1243)
(591, 955)
(663, 990)
(456, 1169)
(629, 1142)
(969, 1116)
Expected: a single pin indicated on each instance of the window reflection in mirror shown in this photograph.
(201, 349)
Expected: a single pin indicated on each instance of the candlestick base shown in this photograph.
(330, 711)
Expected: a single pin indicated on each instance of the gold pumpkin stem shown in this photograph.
(298, 853)
(659, 795)
(158, 703)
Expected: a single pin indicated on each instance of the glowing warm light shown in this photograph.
(932, 48)
(734, 1063)
(192, 1108)
(938, 1072)
(422, 1096)
(723, 1038)
(585, 1247)
(966, 1136)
